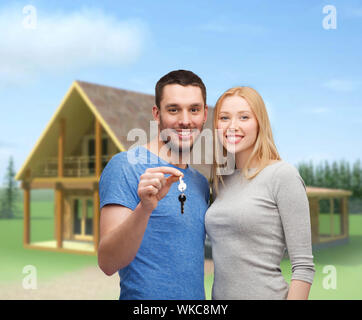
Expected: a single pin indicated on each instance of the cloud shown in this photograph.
(342, 85)
(65, 41)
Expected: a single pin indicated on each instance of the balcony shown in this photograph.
(77, 166)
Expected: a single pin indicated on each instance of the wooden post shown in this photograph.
(59, 205)
(61, 142)
(344, 220)
(96, 216)
(26, 238)
(98, 148)
(331, 207)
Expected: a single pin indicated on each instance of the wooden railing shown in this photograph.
(77, 166)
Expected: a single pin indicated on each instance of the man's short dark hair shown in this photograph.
(181, 77)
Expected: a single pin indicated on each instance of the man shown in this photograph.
(158, 251)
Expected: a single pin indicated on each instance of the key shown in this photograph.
(182, 185)
(182, 199)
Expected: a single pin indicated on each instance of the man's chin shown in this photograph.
(181, 147)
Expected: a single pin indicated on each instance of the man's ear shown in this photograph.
(205, 112)
(156, 113)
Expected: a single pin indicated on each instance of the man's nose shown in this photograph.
(185, 119)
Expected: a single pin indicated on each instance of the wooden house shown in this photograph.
(329, 216)
(91, 125)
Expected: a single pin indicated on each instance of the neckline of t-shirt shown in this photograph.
(164, 161)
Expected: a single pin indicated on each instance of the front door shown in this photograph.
(82, 208)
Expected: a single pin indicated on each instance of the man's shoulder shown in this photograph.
(198, 176)
(131, 157)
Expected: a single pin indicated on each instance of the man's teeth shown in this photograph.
(184, 133)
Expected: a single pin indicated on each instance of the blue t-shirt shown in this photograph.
(170, 261)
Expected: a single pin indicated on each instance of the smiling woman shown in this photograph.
(260, 209)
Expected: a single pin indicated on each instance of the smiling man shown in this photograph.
(158, 251)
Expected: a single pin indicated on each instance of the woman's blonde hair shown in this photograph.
(264, 148)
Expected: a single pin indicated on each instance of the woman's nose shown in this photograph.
(232, 123)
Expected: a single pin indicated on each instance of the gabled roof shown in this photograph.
(118, 111)
(121, 110)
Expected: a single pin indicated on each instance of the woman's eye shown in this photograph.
(223, 118)
(244, 117)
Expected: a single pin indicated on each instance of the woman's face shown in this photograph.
(237, 125)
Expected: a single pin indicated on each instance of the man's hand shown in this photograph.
(153, 185)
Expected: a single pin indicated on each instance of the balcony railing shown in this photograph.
(77, 166)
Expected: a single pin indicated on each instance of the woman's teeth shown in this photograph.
(234, 139)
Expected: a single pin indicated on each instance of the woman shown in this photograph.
(259, 210)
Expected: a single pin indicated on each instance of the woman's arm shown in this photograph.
(298, 290)
(293, 207)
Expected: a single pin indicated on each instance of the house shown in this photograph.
(329, 216)
(91, 125)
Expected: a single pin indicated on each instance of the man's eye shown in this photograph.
(172, 110)
(194, 110)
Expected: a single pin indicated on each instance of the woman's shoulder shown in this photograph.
(282, 169)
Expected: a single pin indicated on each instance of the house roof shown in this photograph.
(327, 193)
(121, 110)
(118, 110)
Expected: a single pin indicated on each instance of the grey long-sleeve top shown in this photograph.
(250, 224)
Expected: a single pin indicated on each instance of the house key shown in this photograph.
(182, 197)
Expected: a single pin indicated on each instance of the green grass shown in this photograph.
(347, 259)
(13, 257)
(325, 223)
(49, 264)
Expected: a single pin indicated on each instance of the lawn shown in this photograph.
(14, 257)
(347, 259)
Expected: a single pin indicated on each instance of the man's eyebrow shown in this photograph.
(172, 105)
(196, 104)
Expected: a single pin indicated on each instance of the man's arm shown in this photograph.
(121, 234)
(122, 230)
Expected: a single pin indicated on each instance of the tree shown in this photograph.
(328, 180)
(319, 176)
(357, 179)
(345, 175)
(9, 193)
(335, 176)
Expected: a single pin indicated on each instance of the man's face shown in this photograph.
(181, 116)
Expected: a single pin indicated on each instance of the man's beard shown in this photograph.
(176, 147)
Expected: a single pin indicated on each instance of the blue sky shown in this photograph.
(310, 77)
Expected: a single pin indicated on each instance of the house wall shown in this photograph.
(67, 214)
